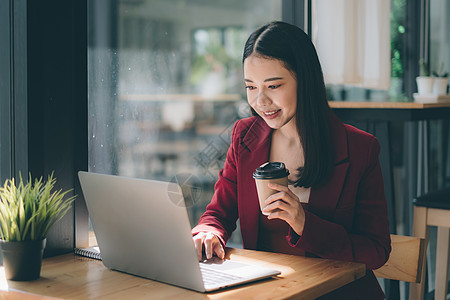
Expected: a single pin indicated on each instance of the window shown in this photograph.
(396, 92)
(439, 33)
(165, 88)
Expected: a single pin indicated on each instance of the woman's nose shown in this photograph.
(262, 99)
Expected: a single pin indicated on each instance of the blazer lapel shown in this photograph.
(323, 200)
(254, 151)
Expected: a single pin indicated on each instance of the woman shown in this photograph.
(335, 207)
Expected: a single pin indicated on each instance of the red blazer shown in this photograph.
(346, 218)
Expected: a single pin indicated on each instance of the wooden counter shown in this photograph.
(396, 105)
(74, 277)
(349, 111)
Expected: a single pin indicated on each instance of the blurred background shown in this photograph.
(165, 87)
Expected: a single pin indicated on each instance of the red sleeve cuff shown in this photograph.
(294, 239)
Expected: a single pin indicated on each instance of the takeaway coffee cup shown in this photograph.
(274, 172)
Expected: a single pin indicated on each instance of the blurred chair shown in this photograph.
(406, 259)
(433, 209)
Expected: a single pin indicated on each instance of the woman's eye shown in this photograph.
(274, 86)
(249, 87)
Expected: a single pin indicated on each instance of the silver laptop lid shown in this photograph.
(141, 230)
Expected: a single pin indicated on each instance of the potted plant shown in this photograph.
(440, 81)
(27, 212)
(424, 81)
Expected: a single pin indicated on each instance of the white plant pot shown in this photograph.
(440, 86)
(425, 85)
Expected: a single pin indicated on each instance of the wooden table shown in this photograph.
(73, 277)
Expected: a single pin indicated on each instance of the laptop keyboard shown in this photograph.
(215, 277)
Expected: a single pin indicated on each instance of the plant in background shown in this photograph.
(441, 73)
(397, 17)
(215, 59)
(424, 71)
(440, 81)
(28, 211)
(424, 82)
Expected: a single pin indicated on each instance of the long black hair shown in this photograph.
(293, 47)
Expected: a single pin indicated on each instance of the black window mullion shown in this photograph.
(293, 11)
(13, 88)
(19, 94)
(413, 39)
(5, 90)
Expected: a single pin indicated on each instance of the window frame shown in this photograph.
(5, 92)
(44, 102)
(13, 78)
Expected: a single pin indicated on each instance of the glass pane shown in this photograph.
(165, 87)
(439, 37)
(396, 91)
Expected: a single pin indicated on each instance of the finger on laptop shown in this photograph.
(218, 250)
(198, 243)
(214, 247)
(208, 243)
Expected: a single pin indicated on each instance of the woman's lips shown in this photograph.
(271, 114)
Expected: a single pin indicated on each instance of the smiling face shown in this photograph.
(271, 90)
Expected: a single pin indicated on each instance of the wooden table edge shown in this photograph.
(358, 272)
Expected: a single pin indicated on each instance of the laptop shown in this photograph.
(142, 228)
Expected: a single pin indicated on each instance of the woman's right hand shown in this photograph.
(210, 244)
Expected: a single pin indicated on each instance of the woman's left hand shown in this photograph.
(286, 206)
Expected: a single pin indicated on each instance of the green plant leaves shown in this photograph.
(28, 211)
